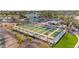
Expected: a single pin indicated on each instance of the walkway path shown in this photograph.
(76, 46)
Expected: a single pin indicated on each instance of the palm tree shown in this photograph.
(68, 21)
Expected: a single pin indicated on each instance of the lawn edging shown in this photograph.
(77, 44)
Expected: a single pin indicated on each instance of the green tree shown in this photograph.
(68, 21)
(46, 14)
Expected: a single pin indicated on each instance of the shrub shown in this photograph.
(20, 38)
(30, 38)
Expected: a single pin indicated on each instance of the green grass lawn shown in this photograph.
(67, 41)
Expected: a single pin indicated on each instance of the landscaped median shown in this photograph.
(67, 41)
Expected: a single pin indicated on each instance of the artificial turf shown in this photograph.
(67, 41)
